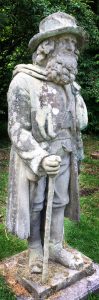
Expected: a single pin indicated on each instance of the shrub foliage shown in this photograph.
(19, 22)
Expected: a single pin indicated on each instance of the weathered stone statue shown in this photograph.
(46, 115)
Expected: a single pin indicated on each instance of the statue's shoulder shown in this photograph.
(18, 81)
(25, 79)
(21, 76)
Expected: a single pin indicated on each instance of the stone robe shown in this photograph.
(35, 104)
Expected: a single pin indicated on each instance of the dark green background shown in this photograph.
(19, 22)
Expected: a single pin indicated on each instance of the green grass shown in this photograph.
(9, 244)
(5, 291)
(83, 235)
(93, 297)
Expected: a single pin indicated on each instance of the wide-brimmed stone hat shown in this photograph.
(57, 24)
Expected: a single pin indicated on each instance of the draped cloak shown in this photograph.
(28, 148)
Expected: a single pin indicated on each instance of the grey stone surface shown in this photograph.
(82, 288)
(59, 279)
(46, 116)
(77, 291)
(79, 283)
(24, 298)
(55, 26)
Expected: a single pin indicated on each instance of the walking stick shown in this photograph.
(47, 228)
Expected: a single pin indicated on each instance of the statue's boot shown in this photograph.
(57, 253)
(35, 246)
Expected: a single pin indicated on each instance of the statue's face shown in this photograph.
(67, 44)
(62, 67)
(67, 48)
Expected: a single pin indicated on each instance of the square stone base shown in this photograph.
(60, 278)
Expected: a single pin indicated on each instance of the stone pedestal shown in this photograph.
(63, 283)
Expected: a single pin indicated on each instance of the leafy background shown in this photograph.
(20, 21)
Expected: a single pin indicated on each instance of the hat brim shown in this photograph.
(78, 32)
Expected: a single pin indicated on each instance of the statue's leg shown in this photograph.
(57, 252)
(61, 198)
(34, 240)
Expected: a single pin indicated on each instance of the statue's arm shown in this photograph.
(19, 125)
(81, 123)
(81, 110)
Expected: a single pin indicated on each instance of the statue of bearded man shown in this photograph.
(46, 115)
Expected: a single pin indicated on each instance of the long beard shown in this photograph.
(62, 70)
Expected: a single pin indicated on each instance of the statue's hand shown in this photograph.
(51, 164)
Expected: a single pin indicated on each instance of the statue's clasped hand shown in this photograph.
(51, 165)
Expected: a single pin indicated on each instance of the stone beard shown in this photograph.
(59, 57)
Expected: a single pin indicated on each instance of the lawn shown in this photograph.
(84, 235)
(9, 244)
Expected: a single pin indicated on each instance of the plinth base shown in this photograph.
(62, 281)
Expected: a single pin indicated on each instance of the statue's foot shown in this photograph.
(35, 260)
(66, 257)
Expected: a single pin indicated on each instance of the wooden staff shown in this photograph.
(51, 186)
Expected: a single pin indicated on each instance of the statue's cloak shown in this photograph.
(26, 153)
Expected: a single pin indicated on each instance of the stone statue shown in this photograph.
(46, 115)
